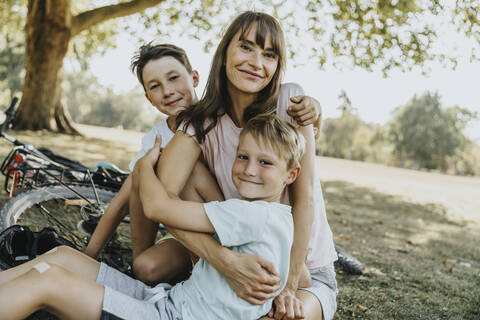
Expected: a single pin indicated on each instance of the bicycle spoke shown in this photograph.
(66, 230)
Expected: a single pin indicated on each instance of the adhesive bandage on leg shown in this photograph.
(52, 250)
(41, 267)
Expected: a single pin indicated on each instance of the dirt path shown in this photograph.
(460, 195)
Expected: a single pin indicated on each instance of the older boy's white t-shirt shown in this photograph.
(148, 140)
(219, 150)
(257, 227)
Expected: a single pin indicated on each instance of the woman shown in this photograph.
(244, 81)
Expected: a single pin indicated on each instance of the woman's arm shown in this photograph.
(302, 209)
(117, 210)
(244, 273)
(301, 194)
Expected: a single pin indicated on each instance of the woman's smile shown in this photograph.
(251, 74)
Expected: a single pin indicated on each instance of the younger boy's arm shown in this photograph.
(159, 206)
(111, 218)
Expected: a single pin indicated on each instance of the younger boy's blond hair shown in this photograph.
(280, 135)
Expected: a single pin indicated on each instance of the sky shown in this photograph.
(374, 96)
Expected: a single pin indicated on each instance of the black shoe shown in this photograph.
(347, 262)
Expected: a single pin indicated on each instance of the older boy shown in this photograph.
(169, 82)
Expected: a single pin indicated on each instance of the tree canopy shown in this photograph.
(373, 34)
(427, 133)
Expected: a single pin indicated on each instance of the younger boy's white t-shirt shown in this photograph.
(148, 140)
(257, 227)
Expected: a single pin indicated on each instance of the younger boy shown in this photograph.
(268, 157)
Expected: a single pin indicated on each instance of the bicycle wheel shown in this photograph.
(64, 210)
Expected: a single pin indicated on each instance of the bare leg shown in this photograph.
(143, 230)
(169, 261)
(201, 186)
(63, 256)
(311, 306)
(56, 289)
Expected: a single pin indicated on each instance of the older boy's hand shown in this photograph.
(252, 277)
(287, 306)
(305, 110)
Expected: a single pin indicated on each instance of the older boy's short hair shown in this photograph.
(149, 52)
(284, 139)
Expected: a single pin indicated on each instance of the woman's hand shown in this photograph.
(287, 306)
(253, 278)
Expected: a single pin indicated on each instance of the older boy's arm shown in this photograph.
(303, 214)
(111, 218)
(306, 110)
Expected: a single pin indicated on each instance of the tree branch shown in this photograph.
(90, 18)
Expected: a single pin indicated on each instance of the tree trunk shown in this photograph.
(48, 32)
(49, 28)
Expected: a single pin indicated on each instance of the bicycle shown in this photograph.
(49, 190)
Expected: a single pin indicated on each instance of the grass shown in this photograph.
(421, 263)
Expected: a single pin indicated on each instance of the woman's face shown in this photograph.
(249, 67)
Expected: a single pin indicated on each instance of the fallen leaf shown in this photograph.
(345, 237)
(379, 222)
(449, 261)
(336, 212)
(398, 297)
(361, 308)
(403, 250)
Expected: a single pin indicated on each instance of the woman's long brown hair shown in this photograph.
(216, 97)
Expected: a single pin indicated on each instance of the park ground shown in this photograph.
(418, 233)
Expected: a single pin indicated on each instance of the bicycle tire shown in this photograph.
(347, 262)
(60, 208)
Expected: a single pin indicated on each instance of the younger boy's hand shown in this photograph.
(151, 157)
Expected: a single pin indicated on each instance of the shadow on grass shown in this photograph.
(421, 264)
